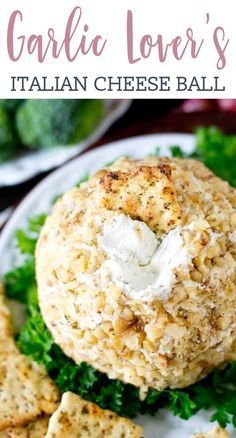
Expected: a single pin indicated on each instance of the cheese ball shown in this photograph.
(136, 272)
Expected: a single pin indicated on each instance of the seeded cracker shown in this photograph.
(7, 344)
(135, 192)
(77, 418)
(26, 392)
(217, 432)
(37, 429)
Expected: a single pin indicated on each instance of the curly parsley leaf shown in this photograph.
(221, 416)
(218, 152)
(35, 340)
(20, 282)
(35, 223)
(215, 149)
(25, 242)
(176, 151)
(181, 404)
(26, 239)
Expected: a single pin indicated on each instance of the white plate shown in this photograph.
(164, 424)
(29, 164)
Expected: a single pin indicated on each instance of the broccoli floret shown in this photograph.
(11, 104)
(7, 138)
(45, 123)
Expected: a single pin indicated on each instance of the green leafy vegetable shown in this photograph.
(8, 141)
(20, 282)
(215, 149)
(10, 104)
(45, 123)
(26, 240)
(218, 152)
(176, 151)
(181, 404)
(42, 123)
(34, 339)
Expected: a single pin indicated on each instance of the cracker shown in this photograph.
(5, 317)
(26, 391)
(217, 432)
(7, 343)
(77, 418)
(37, 429)
(145, 193)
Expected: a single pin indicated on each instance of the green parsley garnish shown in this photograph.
(218, 152)
(215, 149)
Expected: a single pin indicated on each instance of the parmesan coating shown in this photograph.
(159, 342)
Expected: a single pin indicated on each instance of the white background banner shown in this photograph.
(128, 49)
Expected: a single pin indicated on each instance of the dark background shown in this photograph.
(143, 117)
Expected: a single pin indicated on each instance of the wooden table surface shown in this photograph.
(143, 117)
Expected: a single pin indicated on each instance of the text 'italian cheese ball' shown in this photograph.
(136, 272)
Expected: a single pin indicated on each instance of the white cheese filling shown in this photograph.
(137, 262)
(142, 266)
